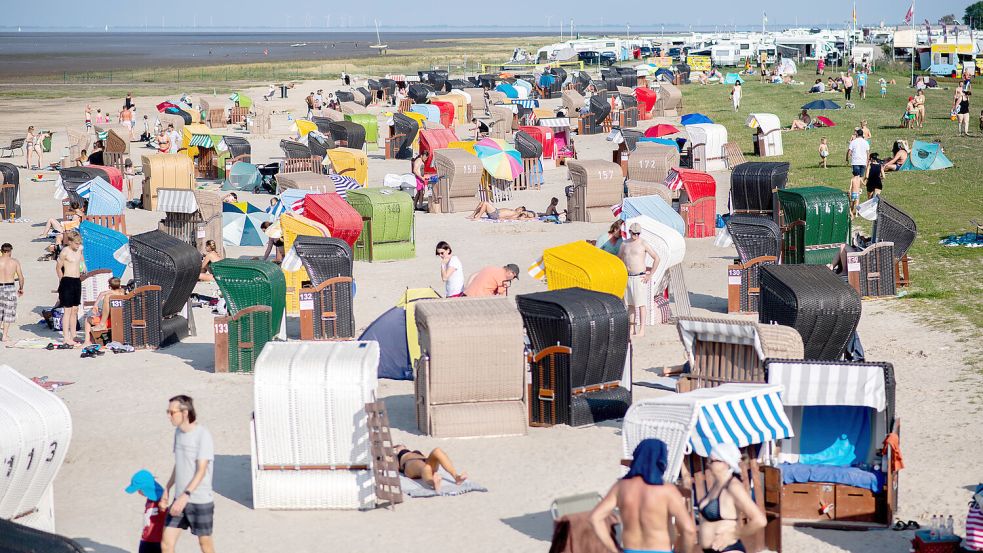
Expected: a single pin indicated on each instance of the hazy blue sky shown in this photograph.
(308, 13)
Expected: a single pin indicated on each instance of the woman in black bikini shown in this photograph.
(725, 502)
(415, 465)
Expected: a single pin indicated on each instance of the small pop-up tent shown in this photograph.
(926, 156)
(395, 331)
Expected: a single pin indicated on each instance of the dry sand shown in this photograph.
(118, 401)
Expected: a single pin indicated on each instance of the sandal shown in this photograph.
(64, 346)
(912, 525)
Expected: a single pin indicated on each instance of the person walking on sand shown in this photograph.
(69, 272)
(418, 166)
(11, 287)
(194, 501)
(633, 253)
(735, 95)
(309, 100)
(648, 507)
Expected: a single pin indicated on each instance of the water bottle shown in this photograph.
(933, 532)
(950, 527)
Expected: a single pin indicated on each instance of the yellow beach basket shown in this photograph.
(581, 265)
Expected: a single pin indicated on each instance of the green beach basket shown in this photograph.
(815, 224)
(387, 224)
(370, 123)
(240, 338)
(248, 282)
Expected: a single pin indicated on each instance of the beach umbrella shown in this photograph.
(343, 184)
(499, 159)
(695, 119)
(821, 104)
(660, 130)
(825, 121)
(241, 224)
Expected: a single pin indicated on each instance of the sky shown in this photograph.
(544, 15)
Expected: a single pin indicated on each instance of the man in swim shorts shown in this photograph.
(69, 271)
(633, 253)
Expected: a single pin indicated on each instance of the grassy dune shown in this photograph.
(946, 281)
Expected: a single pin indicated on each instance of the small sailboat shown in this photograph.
(378, 41)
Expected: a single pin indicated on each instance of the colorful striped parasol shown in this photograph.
(499, 159)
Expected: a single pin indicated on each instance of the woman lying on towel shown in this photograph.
(501, 214)
(415, 465)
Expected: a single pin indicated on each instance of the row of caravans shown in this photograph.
(620, 48)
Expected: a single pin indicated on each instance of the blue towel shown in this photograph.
(649, 461)
(834, 435)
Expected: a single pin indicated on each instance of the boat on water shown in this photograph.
(298, 45)
(378, 41)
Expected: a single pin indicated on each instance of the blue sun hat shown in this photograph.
(142, 481)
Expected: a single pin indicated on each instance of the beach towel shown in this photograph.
(34, 343)
(974, 523)
(416, 488)
(538, 269)
(50, 385)
(967, 240)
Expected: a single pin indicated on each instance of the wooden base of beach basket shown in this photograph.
(742, 284)
(240, 338)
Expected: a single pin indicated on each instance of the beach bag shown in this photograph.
(56, 316)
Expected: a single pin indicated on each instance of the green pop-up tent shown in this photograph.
(926, 156)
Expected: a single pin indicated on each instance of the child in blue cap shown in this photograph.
(143, 483)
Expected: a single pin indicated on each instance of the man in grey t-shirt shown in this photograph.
(194, 454)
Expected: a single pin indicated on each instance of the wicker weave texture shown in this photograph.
(294, 225)
(349, 162)
(651, 162)
(324, 257)
(753, 185)
(304, 180)
(580, 265)
(163, 260)
(391, 213)
(247, 282)
(459, 172)
(668, 422)
(309, 401)
(754, 237)
(825, 214)
(165, 171)
(817, 303)
(475, 346)
(894, 225)
(98, 246)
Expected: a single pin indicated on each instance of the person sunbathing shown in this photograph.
(415, 465)
(58, 226)
(900, 157)
(501, 214)
(802, 123)
(211, 256)
(97, 318)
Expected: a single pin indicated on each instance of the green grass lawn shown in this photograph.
(947, 282)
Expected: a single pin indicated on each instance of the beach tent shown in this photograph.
(695, 119)
(787, 67)
(242, 176)
(240, 224)
(732, 78)
(926, 156)
(665, 75)
(395, 331)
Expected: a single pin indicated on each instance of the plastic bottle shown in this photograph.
(934, 529)
(950, 530)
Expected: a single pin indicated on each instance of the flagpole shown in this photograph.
(914, 43)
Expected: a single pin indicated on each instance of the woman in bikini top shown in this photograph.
(725, 502)
(415, 465)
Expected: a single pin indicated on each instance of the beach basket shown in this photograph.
(319, 144)
(326, 307)
(9, 191)
(446, 110)
(544, 136)
(721, 350)
(387, 224)
(895, 226)
(248, 282)
(572, 102)
(240, 338)
(527, 146)
(656, 207)
(35, 435)
(340, 218)
(317, 454)
(136, 319)
(758, 241)
(432, 140)
(348, 134)
(163, 260)
(816, 223)
(651, 162)
(370, 128)
(697, 202)
(458, 179)
(581, 265)
(348, 162)
(165, 171)
(294, 225)
(871, 271)
(99, 247)
(586, 385)
(304, 180)
(817, 303)
(460, 104)
(104, 199)
(597, 185)
(406, 129)
(754, 187)
(470, 380)
(669, 100)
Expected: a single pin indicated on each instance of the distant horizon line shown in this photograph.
(526, 29)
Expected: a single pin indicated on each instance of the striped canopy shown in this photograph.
(847, 384)
(175, 200)
(202, 140)
(741, 414)
(343, 184)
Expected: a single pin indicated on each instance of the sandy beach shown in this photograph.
(118, 402)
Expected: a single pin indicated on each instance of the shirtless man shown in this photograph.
(647, 506)
(503, 213)
(68, 270)
(10, 271)
(637, 295)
